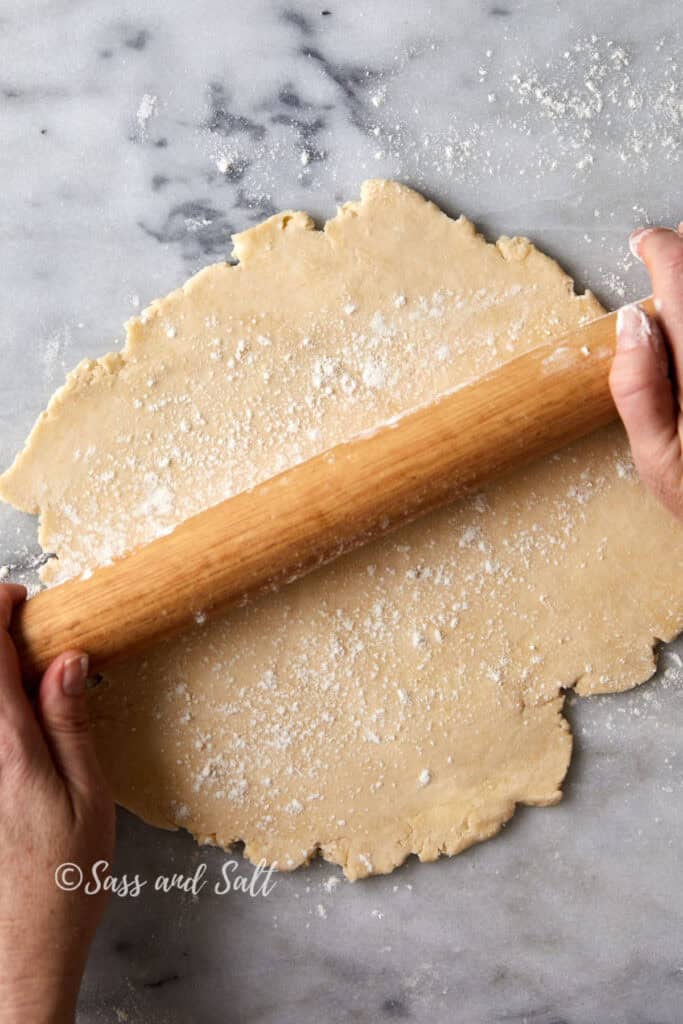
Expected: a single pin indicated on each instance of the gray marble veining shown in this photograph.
(134, 140)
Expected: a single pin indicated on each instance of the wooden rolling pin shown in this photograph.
(308, 515)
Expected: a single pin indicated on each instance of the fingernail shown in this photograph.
(635, 329)
(632, 328)
(634, 240)
(75, 675)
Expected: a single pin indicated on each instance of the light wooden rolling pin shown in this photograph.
(294, 522)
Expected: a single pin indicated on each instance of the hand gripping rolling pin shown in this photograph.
(288, 525)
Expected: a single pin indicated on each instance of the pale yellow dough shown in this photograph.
(404, 699)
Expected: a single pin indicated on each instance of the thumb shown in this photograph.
(64, 718)
(643, 394)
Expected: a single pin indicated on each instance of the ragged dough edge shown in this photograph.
(645, 658)
(249, 247)
(430, 835)
(13, 489)
(90, 371)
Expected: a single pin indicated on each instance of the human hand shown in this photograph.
(646, 378)
(55, 807)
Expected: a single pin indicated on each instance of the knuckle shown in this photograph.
(626, 384)
(636, 375)
(620, 371)
(618, 384)
(74, 724)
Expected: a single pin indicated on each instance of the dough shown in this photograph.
(405, 698)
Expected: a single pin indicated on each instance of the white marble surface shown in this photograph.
(134, 138)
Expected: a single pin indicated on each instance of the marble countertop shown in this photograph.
(136, 138)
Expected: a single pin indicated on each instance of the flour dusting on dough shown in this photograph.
(406, 698)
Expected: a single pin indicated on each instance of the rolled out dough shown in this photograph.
(405, 698)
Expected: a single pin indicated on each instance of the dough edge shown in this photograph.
(417, 835)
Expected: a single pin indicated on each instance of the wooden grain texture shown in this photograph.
(296, 521)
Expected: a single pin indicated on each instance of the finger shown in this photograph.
(643, 394)
(11, 594)
(16, 712)
(661, 250)
(64, 717)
